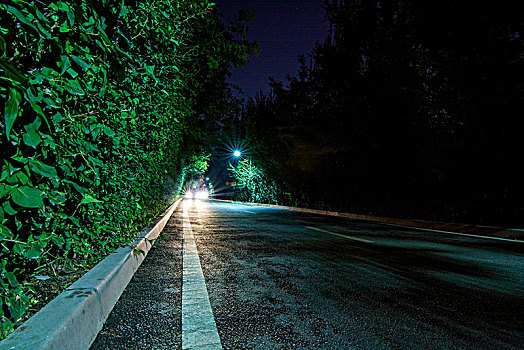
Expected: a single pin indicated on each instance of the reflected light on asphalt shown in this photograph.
(201, 205)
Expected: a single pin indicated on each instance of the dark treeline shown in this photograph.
(408, 109)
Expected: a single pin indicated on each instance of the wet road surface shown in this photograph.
(278, 279)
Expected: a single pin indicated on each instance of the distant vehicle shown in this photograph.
(199, 193)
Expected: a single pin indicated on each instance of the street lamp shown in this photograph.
(237, 153)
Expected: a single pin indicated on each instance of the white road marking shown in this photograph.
(340, 235)
(199, 329)
(456, 233)
(251, 212)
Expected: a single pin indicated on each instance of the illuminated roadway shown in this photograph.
(277, 279)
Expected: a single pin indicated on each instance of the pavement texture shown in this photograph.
(148, 314)
(466, 229)
(278, 279)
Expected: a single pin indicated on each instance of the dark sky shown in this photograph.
(285, 30)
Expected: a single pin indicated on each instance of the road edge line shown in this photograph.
(504, 234)
(73, 319)
(199, 328)
(455, 233)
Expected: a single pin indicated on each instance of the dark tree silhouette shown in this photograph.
(408, 108)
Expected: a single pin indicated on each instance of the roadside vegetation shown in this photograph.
(407, 109)
(104, 105)
(252, 183)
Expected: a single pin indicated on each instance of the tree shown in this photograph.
(407, 109)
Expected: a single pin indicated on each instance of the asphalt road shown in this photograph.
(279, 279)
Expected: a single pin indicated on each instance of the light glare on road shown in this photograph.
(202, 195)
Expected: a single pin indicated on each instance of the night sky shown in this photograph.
(285, 30)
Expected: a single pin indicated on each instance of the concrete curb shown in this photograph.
(73, 319)
(473, 230)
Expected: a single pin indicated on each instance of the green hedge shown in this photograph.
(97, 98)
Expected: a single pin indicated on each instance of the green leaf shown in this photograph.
(11, 109)
(20, 159)
(74, 221)
(5, 232)
(32, 139)
(57, 118)
(18, 248)
(65, 63)
(89, 199)
(150, 70)
(74, 87)
(47, 35)
(5, 174)
(71, 18)
(49, 73)
(77, 187)
(16, 307)
(123, 10)
(64, 28)
(10, 276)
(72, 73)
(59, 241)
(20, 17)
(33, 101)
(11, 71)
(27, 197)
(80, 62)
(4, 189)
(108, 131)
(40, 15)
(22, 178)
(2, 46)
(12, 180)
(51, 103)
(8, 209)
(33, 252)
(34, 126)
(43, 169)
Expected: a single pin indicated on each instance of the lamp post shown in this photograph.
(237, 153)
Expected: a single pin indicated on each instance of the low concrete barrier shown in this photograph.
(476, 230)
(73, 319)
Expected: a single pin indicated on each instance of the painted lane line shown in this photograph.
(456, 233)
(199, 329)
(340, 235)
(250, 212)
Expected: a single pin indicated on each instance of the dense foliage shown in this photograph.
(253, 185)
(101, 102)
(409, 108)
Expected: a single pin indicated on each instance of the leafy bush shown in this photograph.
(252, 183)
(96, 101)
